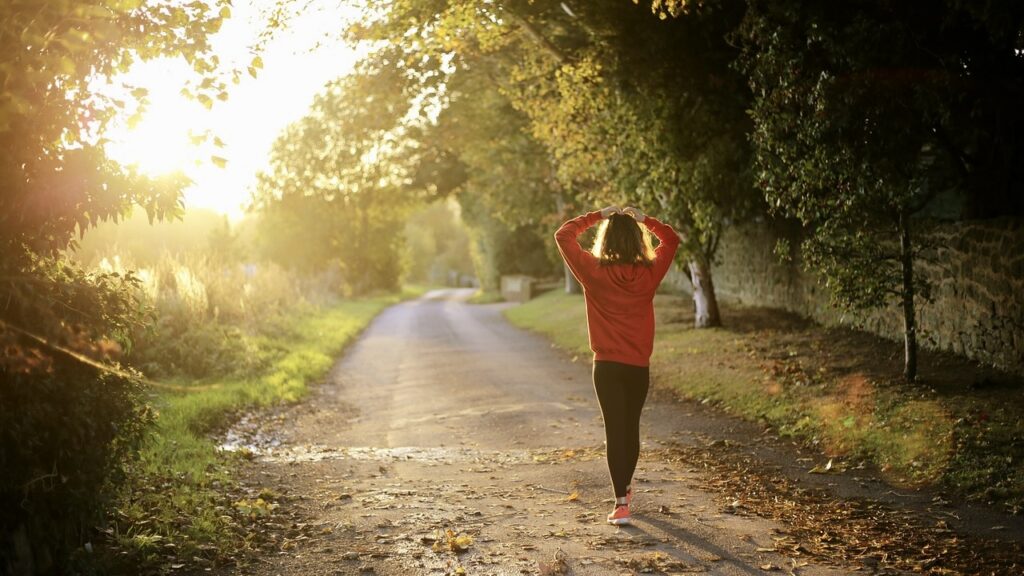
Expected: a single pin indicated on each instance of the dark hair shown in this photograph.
(620, 240)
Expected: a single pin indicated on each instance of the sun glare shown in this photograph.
(298, 62)
(161, 142)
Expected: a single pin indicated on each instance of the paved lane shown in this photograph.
(442, 416)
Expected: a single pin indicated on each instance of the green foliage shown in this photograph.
(666, 8)
(66, 428)
(562, 100)
(207, 312)
(338, 188)
(626, 124)
(56, 176)
(499, 249)
(864, 115)
(526, 250)
(55, 302)
(865, 112)
(67, 433)
(833, 149)
(437, 244)
(197, 350)
(502, 177)
(507, 174)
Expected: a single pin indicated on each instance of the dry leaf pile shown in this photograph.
(836, 531)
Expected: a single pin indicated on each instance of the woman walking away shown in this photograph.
(619, 277)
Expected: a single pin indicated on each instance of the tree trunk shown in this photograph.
(571, 285)
(704, 300)
(909, 315)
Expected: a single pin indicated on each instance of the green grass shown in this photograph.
(681, 355)
(793, 379)
(179, 501)
(559, 316)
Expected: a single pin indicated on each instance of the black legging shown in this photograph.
(621, 391)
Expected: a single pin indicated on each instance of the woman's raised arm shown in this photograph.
(578, 259)
(668, 242)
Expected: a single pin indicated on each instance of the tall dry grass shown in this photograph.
(208, 315)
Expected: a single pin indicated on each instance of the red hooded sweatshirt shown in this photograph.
(620, 297)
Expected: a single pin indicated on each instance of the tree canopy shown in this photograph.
(616, 119)
(339, 181)
(865, 112)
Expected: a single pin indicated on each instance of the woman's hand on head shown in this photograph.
(636, 213)
(607, 212)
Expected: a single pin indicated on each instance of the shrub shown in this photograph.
(66, 426)
(64, 440)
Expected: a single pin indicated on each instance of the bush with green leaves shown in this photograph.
(67, 425)
(60, 464)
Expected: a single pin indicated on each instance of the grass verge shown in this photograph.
(181, 502)
(961, 427)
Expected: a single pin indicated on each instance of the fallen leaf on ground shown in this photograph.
(453, 542)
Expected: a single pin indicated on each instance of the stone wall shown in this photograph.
(977, 275)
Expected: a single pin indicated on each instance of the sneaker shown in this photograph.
(629, 495)
(620, 515)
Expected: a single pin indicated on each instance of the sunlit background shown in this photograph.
(297, 62)
(844, 177)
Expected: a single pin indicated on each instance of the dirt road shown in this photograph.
(447, 441)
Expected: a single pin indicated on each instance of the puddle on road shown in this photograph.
(421, 454)
(250, 434)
